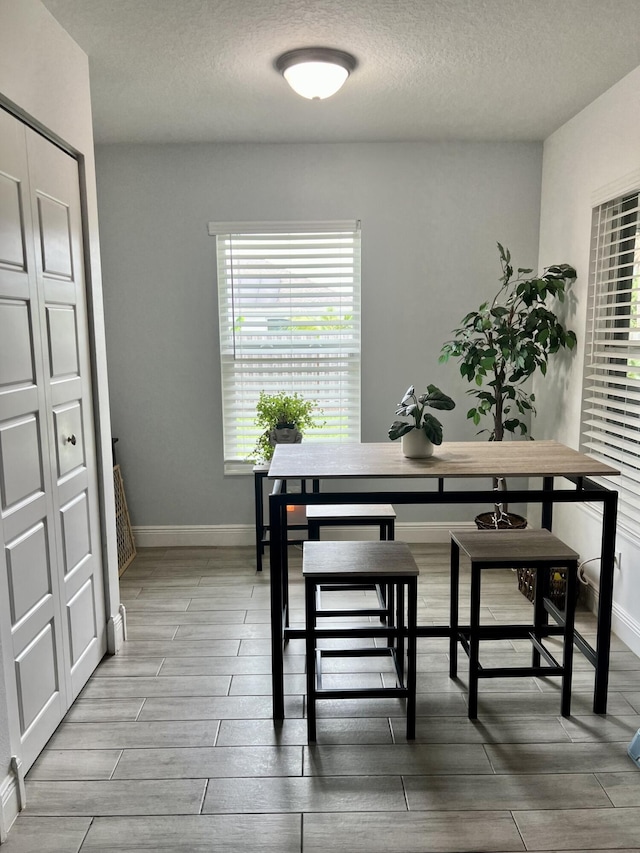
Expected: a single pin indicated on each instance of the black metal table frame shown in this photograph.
(586, 491)
(262, 527)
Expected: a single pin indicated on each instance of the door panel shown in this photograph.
(12, 252)
(63, 341)
(29, 571)
(38, 686)
(20, 459)
(16, 362)
(82, 621)
(67, 425)
(55, 237)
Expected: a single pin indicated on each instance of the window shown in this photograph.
(289, 307)
(611, 405)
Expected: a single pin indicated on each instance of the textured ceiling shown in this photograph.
(202, 70)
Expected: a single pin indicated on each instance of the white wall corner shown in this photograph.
(9, 803)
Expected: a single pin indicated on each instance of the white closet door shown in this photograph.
(51, 592)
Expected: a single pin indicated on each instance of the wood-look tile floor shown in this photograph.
(171, 747)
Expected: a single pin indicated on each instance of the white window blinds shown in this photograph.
(611, 404)
(289, 308)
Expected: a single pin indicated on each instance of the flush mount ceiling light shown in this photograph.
(315, 72)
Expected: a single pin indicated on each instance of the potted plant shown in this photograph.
(504, 342)
(283, 418)
(423, 430)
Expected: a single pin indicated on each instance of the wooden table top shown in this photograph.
(451, 459)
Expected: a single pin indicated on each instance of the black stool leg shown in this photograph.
(539, 594)
(453, 609)
(569, 623)
(310, 644)
(313, 529)
(399, 625)
(390, 614)
(474, 642)
(412, 618)
(386, 533)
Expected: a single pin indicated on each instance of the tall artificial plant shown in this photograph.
(505, 341)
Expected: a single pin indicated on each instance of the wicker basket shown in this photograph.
(487, 521)
(558, 585)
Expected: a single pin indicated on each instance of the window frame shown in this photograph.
(262, 341)
(611, 393)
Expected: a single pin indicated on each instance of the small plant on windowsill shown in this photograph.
(423, 430)
(283, 418)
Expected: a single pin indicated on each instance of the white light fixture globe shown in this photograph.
(315, 72)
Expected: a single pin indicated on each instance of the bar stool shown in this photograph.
(353, 565)
(382, 516)
(496, 549)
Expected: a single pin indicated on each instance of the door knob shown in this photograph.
(71, 439)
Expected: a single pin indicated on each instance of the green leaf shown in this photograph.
(432, 428)
(398, 429)
(437, 399)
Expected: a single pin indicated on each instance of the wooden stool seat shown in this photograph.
(354, 565)
(512, 549)
(337, 515)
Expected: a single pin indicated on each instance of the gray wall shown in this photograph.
(431, 215)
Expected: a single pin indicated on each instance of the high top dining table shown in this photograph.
(471, 461)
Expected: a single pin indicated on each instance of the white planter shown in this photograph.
(416, 445)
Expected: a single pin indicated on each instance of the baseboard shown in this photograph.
(623, 625)
(9, 804)
(116, 631)
(244, 534)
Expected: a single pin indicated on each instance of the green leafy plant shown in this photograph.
(278, 411)
(412, 406)
(507, 340)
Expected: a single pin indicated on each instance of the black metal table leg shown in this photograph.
(605, 602)
(412, 619)
(276, 564)
(258, 481)
(453, 609)
(547, 506)
(310, 648)
(474, 641)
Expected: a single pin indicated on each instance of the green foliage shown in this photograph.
(279, 409)
(506, 341)
(412, 406)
